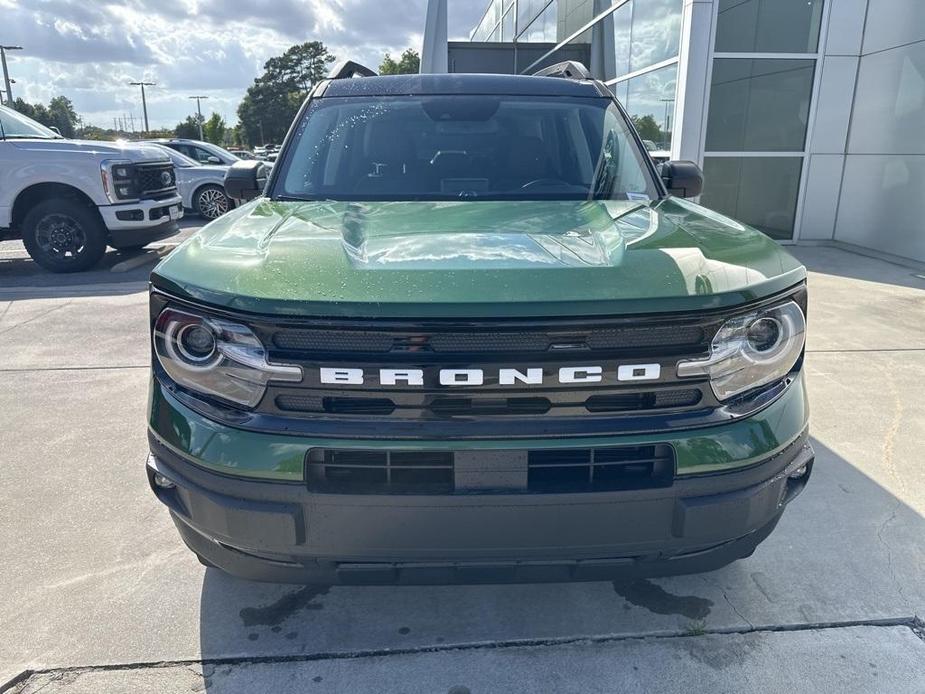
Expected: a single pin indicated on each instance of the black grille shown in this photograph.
(151, 182)
(600, 469)
(484, 405)
(544, 471)
(640, 402)
(581, 339)
(387, 472)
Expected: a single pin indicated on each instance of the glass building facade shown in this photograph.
(805, 115)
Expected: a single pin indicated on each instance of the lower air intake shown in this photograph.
(542, 471)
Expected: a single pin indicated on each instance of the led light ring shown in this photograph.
(785, 333)
(172, 333)
(189, 356)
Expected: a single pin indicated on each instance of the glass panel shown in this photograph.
(621, 90)
(650, 102)
(507, 26)
(543, 29)
(527, 11)
(759, 105)
(656, 32)
(622, 20)
(486, 28)
(768, 26)
(760, 191)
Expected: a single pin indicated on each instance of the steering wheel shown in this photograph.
(543, 182)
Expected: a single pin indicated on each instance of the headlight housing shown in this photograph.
(216, 357)
(119, 180)
(751, 351)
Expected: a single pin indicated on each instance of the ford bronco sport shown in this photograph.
(467, 332)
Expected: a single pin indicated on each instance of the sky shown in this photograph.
(88, 50)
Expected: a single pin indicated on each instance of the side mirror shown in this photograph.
(681, 178)
(245, 179)
(212, 159)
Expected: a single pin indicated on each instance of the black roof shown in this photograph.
(458, 83)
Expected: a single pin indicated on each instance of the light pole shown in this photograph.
(6, 74)
(199, 111)
(144, 103)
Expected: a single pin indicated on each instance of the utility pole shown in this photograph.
(144, 104)
(199, 111)
(6, 74)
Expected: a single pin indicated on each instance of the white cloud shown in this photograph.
(89, 50)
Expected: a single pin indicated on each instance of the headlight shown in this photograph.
(216, 357)
(118, 180)
(751, 351)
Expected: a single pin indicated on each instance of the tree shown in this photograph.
(61, 114)
(273, 100)
(647, 128)
(188, 128)
(36, 112)
(213, 130)
(408, 64)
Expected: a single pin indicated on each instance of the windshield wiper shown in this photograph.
(30, 137)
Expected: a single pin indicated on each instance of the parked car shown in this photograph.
(197, 150)
(477, 336)
(243, 154)
(69, 199)
(659, 156)
(201, 186)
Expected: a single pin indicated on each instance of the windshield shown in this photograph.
(464, 147)
(14, 125)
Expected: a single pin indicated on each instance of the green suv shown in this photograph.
(467, 332)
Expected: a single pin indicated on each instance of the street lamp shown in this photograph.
(6, 74)
(199, 111)
(144, 104)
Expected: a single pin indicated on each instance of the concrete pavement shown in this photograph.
(94, 575)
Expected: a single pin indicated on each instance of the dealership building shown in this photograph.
(807, 116)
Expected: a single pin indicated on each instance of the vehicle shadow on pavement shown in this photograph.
(847, 551)
(119, 272)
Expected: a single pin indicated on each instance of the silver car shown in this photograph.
(202, 187)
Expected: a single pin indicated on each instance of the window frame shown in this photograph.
(806, 153)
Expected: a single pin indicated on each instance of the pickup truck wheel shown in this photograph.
(211, 202)
(63, 236)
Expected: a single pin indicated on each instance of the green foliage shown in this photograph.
(273, 100)
(58, 114)
(188, 128)
(213, 130)
(648, 129)
(408, 64)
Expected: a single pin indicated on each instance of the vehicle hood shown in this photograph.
(93, 149)
(476, 258)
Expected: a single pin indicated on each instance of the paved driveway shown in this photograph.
(99, 595)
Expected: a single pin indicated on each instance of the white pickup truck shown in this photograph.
(69, 199)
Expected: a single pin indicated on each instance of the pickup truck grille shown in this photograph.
(152, 182)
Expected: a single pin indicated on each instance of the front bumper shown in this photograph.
(280, 532)
(142, 214)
